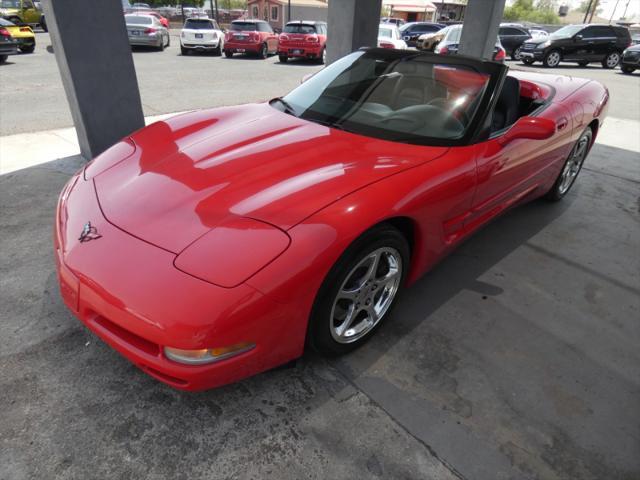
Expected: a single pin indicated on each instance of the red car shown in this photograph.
(163, 21)
(218, 244)
(303, 39)
(250, 36)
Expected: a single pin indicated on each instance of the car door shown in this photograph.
(604, 41)
(271, 37)
(509, 172)
(591, 43)
(30, 13)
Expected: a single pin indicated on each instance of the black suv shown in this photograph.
(582, 44)
(512, 37)
(411, 31)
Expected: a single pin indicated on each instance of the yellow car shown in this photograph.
(23, 34)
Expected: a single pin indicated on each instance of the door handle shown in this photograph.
(562, 123)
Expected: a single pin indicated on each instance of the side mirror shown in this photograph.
(533, 128)
(577, 37)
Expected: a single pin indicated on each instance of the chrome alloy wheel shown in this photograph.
(553, 59)
(517, 54)
(366, 295)
(573, 165)
(613, 59)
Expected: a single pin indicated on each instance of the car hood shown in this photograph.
(191, 172)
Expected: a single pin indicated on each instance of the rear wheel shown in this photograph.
(611, 60)
(627, 69)
(218, 50)
(228, 54)
(359, 291)
(264, 51)
(322, 58)
(28, 48)
(283, 58)
(184, 51)
(571, 168)
(43, 24)
(515, 55)
(3, 58)
(552, 59)
(168, 40)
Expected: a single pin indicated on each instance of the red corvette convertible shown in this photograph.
(218, 244)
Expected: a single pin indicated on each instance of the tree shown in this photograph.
(543, 11)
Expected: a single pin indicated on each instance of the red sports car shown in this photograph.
(218, 244)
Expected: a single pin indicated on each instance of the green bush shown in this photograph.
(526, 11)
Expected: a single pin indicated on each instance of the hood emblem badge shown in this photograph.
(89, 232)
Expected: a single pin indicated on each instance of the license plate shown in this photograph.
(198, 35)
(135, 32)
(240, 50)
(240, 37)
(296, 52)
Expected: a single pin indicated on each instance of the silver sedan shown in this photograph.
(146, 31)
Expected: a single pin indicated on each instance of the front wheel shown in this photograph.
(359, 291)
(627, 69)
(527, 61)
(571, 168)
(552, 59)
(516, 54)
(611, 60)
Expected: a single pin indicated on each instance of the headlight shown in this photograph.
(206, 355)
(232, 252)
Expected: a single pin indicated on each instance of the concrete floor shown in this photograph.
(516, 358)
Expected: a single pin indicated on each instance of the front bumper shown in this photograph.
(532, 54)
(631, 60)
(9, 48)
(200, 45)
(129, 294)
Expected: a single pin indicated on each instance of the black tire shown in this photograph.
(557, 192)
(3, 58)
(168, 40)
(611, 60)
(552, 59)
(264, 51)
(528, 61)
(583, 64)
(627, 69)
(228, 54)
(319, 333)
(515, 54)
(283, 58)
(322, 57)
(28, 48)
(161, 47)
(218, 50)
(184, 51)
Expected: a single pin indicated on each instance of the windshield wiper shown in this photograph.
(287, 106)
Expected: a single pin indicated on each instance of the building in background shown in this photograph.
(410, 10)
(451, 10)
(276, 11)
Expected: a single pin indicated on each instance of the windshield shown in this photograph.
(244, 27)
(198, 25)
(10, 3)
(138, 20)
(453, 35)
(385, 32)
(405, 99)
(567, 32)
(298, 28)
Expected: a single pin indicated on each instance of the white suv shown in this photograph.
(201, 34)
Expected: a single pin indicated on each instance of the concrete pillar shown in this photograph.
(481, 21)
(351, 24)
(94, 57)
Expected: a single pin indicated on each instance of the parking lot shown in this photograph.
(517, 357)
